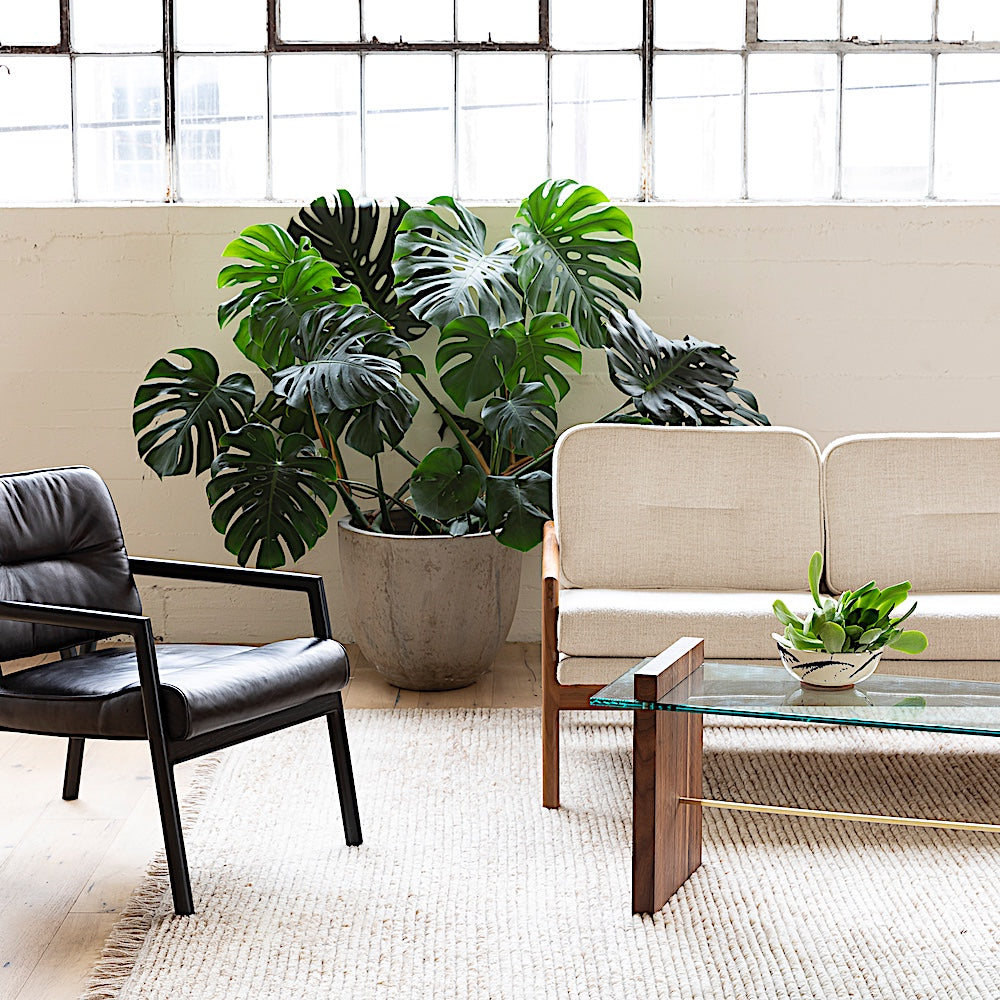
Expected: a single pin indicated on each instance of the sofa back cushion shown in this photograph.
(687, 508)
(917, 507)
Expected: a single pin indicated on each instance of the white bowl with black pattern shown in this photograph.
(818, 668)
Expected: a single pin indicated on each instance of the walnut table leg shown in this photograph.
(666, 833)
(666, 765)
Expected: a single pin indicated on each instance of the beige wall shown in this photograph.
(842, 318)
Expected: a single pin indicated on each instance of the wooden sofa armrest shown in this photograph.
(550, 553)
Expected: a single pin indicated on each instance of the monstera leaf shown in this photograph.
(193, 408)
(444, 271)
(525, 422)
(385, 421)
(547, 338)
(578, 255)
(335, 370)
(283, 282)
(358, 239)
(270, 494)
(330, 323)
(686, 382)
(481, 358)
(517, 508)
(340, 378)
(443, 485)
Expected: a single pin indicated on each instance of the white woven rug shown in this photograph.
(466, 888)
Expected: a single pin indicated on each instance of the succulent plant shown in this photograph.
(858, 621)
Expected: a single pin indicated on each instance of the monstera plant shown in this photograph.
(328, 311)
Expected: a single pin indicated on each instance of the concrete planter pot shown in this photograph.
(431, 612)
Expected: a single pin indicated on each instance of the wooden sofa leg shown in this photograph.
(550, 663)
(550, 756)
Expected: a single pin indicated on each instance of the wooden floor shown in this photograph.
(68, 868)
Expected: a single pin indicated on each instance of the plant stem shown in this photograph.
(357, 514)
(358, 518)
(471, 452)
(528, 464)
(382, 506)
(399, 449)
(607, 416)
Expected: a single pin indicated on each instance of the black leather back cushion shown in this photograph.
(60, 543)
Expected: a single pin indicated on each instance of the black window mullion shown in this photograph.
(272, 25)
(362, 102)
(646, 190)
(170, 110)
(64, 25)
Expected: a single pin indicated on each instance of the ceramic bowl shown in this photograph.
(817, 668)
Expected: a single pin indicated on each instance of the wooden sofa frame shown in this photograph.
(556, 697)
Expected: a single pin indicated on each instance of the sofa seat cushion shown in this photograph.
(605, 669)
(637, 623)
(204, 688)
(957, 626)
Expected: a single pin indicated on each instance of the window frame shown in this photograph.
(647, 52)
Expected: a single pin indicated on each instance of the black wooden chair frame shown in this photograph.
(166, 753)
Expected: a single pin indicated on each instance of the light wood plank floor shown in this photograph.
(68, 868)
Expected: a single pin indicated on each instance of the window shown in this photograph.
(669, 100)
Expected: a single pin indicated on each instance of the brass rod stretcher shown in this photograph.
(939, 824)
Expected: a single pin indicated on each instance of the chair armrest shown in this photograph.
(215, 573)
(54, 614)
(550, 552)
(138, 626)
(310, 583)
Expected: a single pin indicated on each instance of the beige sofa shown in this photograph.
(661, 532)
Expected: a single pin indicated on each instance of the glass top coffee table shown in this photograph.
(670, 694)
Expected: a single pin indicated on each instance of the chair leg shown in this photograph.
(345, 775)
(173, 837)
(74, 765)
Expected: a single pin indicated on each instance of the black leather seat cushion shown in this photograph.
(204, 688)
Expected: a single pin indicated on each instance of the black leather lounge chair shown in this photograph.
(66, 581)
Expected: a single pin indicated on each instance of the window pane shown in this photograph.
(119, 113)
(222, 135)
(885, 131)
(511, 21)
(793, 19)
(593, 24)
(969, 20)
(315, 124)
(698, 116)
(35, 129)
(34, 23)
(876, 19)
(791, 121)
(220, 25)
(596, 122)
(501, 97)
(319, 20)
(409, 147)
(967, 157)
(116, 25)
(427, 21)
(711, 24)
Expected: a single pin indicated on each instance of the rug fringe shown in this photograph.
(118, 957)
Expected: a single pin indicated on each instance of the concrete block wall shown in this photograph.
(843, 319)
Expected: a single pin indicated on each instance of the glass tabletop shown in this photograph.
(932, 704)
